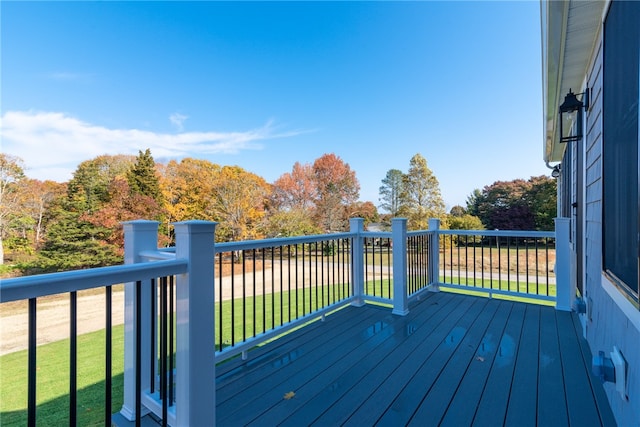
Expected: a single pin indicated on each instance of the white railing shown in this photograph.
(389, 267)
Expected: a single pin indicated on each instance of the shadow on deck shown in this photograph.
(453, 360)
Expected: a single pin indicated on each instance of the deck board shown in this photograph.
(460, 410)
(453, 360)
(493, 403)
(523, 397)
(577, 387)
(344, 386)
(270, 383)
(437, 379)
(430, 352)
(551, 382)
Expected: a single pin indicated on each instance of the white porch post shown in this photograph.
(357, 262)
(434, 258)
(139, 235)
(565, 290)
(195, 352)
(400, 297)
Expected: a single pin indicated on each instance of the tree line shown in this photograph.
(49, 226)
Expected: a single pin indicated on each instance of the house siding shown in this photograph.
(605, 323)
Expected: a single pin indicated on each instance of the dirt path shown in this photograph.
(52, 319)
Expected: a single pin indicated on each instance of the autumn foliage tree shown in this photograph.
(11, 173)
(296, 190)
(238, 203)
(324, 190)
(516, 204)
(337, 187)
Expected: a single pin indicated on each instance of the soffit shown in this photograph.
(569, 31)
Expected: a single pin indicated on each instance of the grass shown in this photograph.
(52, 381)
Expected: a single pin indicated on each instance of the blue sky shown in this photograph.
(263, 85)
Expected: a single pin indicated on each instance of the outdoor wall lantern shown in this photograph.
(571, 113)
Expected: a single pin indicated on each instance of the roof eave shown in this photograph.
(569, 32)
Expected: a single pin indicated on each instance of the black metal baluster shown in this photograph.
(163, 348)
(518, 263)
(315, 257)
(281, 290)
(233, 301)
(255, 297)
(220, 317)
(546, 249)
(388, 267)
(171, 323)
(304, 294)
(537, 270)
(152, 343)
(73, 359)
(273, 288)
(264, 292)
(244, 297)
(108, 357)
(31, 389)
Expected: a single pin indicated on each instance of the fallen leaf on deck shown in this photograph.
(289, 395)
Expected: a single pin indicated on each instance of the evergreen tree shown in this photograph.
(390, 191)
(142, 177)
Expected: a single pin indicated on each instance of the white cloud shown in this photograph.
(178, 120)
(52, 144)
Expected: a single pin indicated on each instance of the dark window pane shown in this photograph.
(620, 142)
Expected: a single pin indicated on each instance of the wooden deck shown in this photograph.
(454, 360)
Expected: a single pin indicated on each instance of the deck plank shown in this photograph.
(436, 391)
(604, 409)
(464, 402)
(233, 376)
(552, 408)
(433, 352)
(522, 406)
(268, 384)
(492, 407)
(316, 396)
(343, 382)
(580, 400)
(366, 389)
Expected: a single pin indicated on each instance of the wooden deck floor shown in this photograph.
(454, 360)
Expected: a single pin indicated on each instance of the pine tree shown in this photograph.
(142, 177)
(390, 191)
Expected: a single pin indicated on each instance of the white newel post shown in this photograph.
(139, 235)
(195, 353)
(357, 262)
(565, 291)
(400, 297)
(434, 259)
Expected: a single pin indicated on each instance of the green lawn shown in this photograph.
(53, 381)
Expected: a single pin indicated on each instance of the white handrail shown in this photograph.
(26, 287)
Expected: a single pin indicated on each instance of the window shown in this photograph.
(620, 145)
